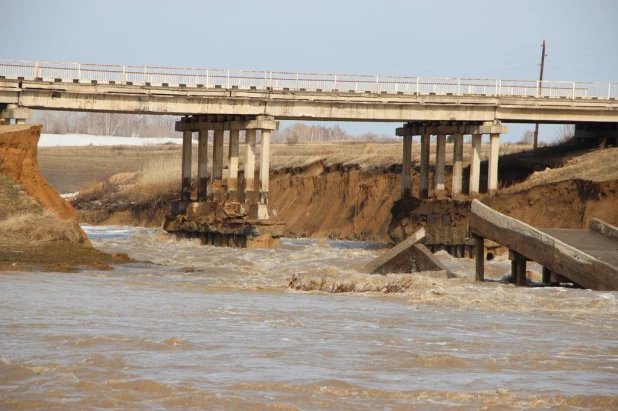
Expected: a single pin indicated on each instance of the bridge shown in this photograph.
(219, 101)
(587, 258)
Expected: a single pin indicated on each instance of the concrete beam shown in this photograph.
(282, 104)
(13, 111)
(416, 129)
(195, 123)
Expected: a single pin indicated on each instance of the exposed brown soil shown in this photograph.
(342, 202)
(325, 199)
(23, 190)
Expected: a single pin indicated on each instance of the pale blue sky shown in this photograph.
(480, 39)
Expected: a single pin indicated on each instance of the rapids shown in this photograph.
(193, 327)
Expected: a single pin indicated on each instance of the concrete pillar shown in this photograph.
(494, 148)
(546, 275)
(264, 165)
(232, 178)
(217, 162)
(475, 163)
(440, 162)
(185, 191)
(249, 164)
(457, 164)
(406, 168)
(425, 150)
(202, 165)
(518, 269)
(479, 251)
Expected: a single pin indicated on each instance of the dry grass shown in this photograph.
(599, 165)
(160, 175)
(36, 228)
(70, 168)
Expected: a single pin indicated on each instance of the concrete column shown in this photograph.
(232, 178)
(406, 168)
(185, 191)
(264, 165)
(202, 165)
(217, 162)
(479, 251)
(457, 164)
(546, 275)
(425, 150)
(440, 162)
(475, 163)
(249, 164)
(518, 269)
(494, 147)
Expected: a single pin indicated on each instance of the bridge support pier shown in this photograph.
(406, 168)
(457, 130)
(202, 164)
(518, 268)
(475, 164)
(232, 177)
(494, 147)
(226, 214)
(217, 162)
(457, 164)
(249, 165)
(425, 151)
(19, 115)
(187, 145)
(440, 163)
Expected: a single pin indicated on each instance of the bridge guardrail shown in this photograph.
(272, 80)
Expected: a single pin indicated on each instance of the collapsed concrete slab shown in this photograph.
(406, 257)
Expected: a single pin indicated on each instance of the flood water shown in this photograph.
(215, 328)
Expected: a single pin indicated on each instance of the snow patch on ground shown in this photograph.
(55, 140)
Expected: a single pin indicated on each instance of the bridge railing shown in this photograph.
(272, 80)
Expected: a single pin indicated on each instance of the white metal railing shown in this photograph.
(273, 80)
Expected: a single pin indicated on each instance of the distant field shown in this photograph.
(69, 168)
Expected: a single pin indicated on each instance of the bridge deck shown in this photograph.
(585, 257)
(594, 244)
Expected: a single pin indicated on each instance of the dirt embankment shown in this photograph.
(18, 161)
(39, 228)
(550, 187)
(343, 202)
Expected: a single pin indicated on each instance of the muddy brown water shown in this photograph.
(213, 328)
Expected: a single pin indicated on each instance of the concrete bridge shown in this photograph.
(229, 101)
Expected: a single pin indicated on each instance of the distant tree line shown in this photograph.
(303, 133)
(133, 125)
(106, 124)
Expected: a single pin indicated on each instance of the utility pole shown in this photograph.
(536, 128)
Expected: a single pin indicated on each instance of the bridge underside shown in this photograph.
(304, 105)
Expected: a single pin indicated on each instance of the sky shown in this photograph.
(449, 38)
